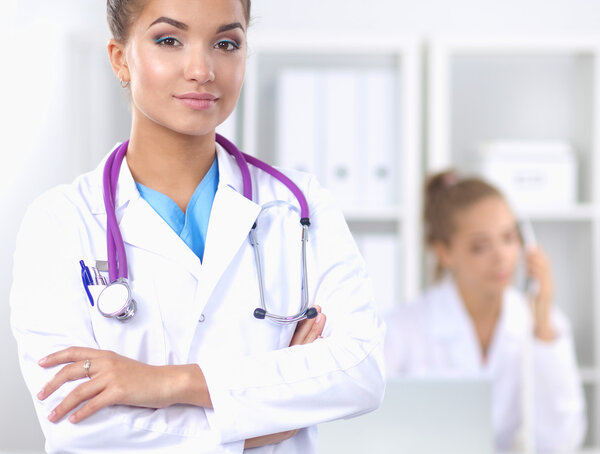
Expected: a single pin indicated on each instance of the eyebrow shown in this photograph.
(173, 22)
(225, 28)
(185, 27)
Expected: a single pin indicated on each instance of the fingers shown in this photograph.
(269, 439)
(316, 329)
(309, 329)
(83, 392)
(68, 355)
(73, 371)
(94, 405)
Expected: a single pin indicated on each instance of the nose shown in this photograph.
(199, 67)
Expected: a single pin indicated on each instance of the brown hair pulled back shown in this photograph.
(121, 14)
(446, 194)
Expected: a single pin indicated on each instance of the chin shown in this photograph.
(498, 285)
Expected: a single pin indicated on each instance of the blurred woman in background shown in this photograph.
(473, 323)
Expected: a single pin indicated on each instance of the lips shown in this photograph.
(198, 101)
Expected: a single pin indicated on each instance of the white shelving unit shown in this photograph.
(269, 56)
(483, 89)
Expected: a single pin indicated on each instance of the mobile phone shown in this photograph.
(532, 286)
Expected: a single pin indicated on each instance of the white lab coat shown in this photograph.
(257, 385)
(435, 336)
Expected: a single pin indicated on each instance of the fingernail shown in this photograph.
(52, 416)
(42, 361)
(40, 395)
(319, 319)
(72, 418)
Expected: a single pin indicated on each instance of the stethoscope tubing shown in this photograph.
(117, 258)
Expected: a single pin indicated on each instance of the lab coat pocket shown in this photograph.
(141, 337)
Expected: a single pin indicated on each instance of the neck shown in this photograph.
(480, 305)
(169, 162)
(484, 310)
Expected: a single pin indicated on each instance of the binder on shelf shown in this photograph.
(342, 136)
(299, 120)
(379, 120)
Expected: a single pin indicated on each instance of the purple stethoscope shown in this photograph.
(116, 301)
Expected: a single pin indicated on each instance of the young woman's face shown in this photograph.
(484, 250)
(186, 61)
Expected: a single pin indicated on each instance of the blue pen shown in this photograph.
(86, 278)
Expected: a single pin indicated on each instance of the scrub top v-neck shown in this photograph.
(192, 225)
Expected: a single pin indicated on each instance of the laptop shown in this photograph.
(418, 416)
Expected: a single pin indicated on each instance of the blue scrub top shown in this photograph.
(192, 225)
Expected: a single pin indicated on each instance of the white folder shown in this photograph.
(298, 120)
(379, 122)
(342, 136)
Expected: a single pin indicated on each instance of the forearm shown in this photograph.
(560, 405)
(296, 387)
(189, 385)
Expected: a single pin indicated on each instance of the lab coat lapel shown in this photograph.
(511, 327)
(231, 219)
(142, 227)
(453, 331)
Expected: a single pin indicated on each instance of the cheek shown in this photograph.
(148, 71)
(231, 72)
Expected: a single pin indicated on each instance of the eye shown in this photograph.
(478, 248)
(227, 45)
(168, 41)
(511, 237)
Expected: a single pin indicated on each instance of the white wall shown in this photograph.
(46, 144)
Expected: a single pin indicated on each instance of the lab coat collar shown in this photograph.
(230, 221)
(229, 175)
(126, 188)
(449, 316)
(452, 326)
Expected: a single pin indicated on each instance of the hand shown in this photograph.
(538, 267)
(307, 331)
(115, 379)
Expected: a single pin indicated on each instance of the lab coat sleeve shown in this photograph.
(338, 376)
(559, 403)
(49, 312)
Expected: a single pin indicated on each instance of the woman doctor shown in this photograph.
(472, 323)
(193, 370)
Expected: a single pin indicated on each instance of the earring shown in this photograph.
(124, 84)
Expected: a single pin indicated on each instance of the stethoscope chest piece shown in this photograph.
(115, 301)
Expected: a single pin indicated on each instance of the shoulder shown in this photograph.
(66, 199)
(58, 210)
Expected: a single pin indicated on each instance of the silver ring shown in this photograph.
(86, 367)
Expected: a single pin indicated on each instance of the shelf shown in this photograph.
(582, 212)
(369, 214)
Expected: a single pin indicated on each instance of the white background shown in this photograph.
(44, 145)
